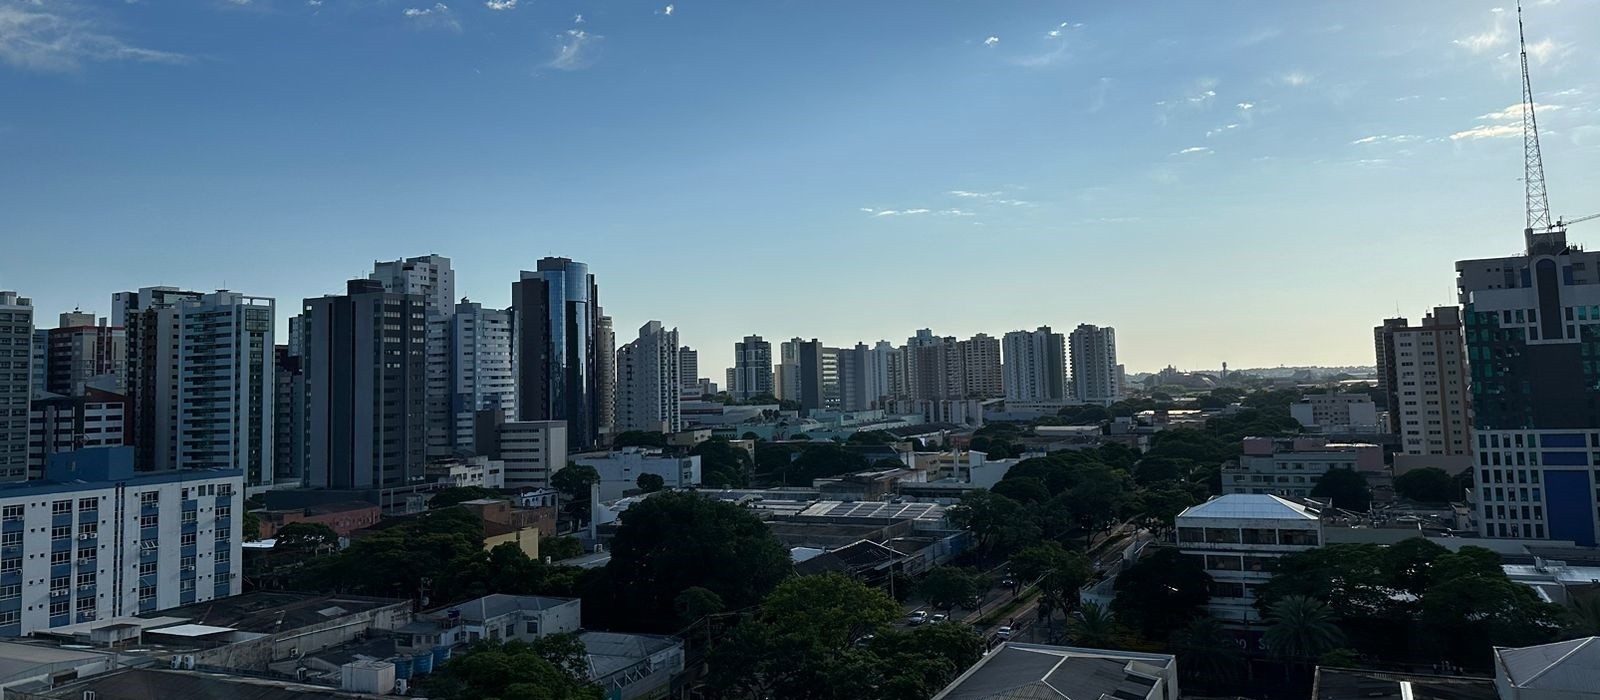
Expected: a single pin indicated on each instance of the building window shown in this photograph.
(147, 568)
(60, 584)
(10, 617)
(187, 540)
(186, 585)
(223, 557)
(85, 580)
(11, 514)
(224, 511)
(147, 594)
(63, 532)
(60, 607)
(190, 516)
(11, 539)
(149, 498)
(61, 557)
(88, 504)
(187, 562)
(150, 520)
(12, 591)
(61, 507)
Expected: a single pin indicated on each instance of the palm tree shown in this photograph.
(1092, 626)
(1206, 652)
(1301, 629)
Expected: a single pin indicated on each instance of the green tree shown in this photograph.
(677, 540)
(1206, 654)
(306, 537)
(1026, 490)
(1099, 498)
(639, 438)
(1300, 629)
(1427, 485)
(1093, 626)
(1060, 573)
(722, 466)
(454, 495)
(573, 483)
(945, 587)
(650, 483)
(1161, 592)
(559, 548)
(823, 460)
(1346, 487)
(1159, 507)
(544, 670)
(1583, 619)
(696, 602)
(252, 526)
(999, 524)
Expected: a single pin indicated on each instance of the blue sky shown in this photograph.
(1251, 182)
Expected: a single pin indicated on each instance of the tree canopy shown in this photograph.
(445, 498)
(1427, 485)
(639, 438)
(722, 466)
(650, 483)
(308, 537)
(1161, 592)
(945, 587)
(827, 637)
(573, 482)
(551, 668)
(1346, 487)
(673, 541)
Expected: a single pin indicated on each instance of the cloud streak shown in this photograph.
(574, 50)
(437, 17)
(37, 39)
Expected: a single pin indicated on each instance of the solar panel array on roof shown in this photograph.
(875, 509)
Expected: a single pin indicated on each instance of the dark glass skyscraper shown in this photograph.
(555, 319)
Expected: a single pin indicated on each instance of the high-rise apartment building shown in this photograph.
(689, 370)
(649, 381)
(92, 540)
(530, 450)
(1095, 376)
(786, 375)
(1383, 350)
(1035, 365)
(1425, 371)
(809, 373)
(80, 349)
(57, 424)
(752, 368)
(364, 361)
(16, 349)
(1532, 325)
(864, 376)
(555, 314)
(289, 410)
(481, 376)
(150, 380)
(226, 402)
(980, 364)
(605, 339)
(430, 277)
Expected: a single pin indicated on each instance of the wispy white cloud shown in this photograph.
(1193, 150)
(991, 41)
(1293, 78)
(574, 49)
(437, 17)
(1384, 138)
(1487, 131)
(1498, 34)
(53, 38)
(1246, 106)
(501, 4)
(1225, 128)
(577, 19)
(879, 213)
(989, 197)
(1514, 112)
(667, 11)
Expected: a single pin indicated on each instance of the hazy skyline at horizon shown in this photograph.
(1221, 182)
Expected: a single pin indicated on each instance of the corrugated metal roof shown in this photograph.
(1249, 506)
(1572, 665)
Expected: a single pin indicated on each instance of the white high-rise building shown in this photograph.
(980, 362)
(428, 276)
(786, 375)
(864, 375)
(481, 376)
(1095, 377)
(1035, 365)
(16, 346)
(649, 381)
(93, 540)
(149, 319)
(1429, 399)
(752, 368)
(226, 391)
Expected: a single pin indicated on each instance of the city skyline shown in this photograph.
(1158, 145)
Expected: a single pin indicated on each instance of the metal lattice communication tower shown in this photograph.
(1533, 162)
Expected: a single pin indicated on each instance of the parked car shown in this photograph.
(1009, 583)
(1003, 633)
(940, 617)
(917, 618)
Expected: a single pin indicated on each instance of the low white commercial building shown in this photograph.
(531, 450)
(1337, 413)
(94, 540)
(1238, 536)
(619, 471)
(1292, 467)
(470, 471)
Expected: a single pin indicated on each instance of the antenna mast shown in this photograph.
(1533, 162)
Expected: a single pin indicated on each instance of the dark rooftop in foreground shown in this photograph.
(267, 612)
(1044, 672)
(151, 684)
(1359, 684)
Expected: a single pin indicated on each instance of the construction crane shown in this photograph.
(1563, 223)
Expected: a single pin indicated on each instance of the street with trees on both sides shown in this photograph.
(713, 573)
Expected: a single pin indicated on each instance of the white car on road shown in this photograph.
(917, 618)
(1004, 633)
